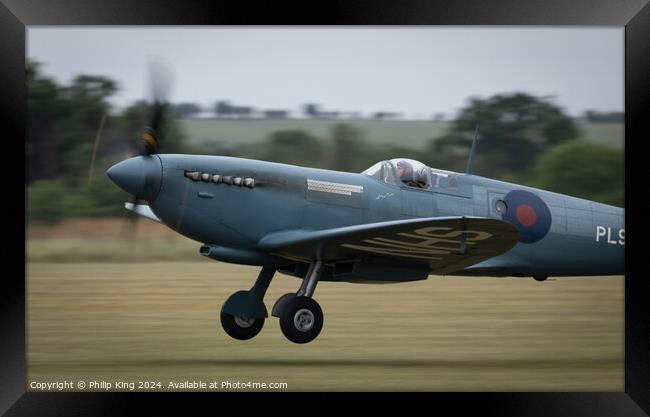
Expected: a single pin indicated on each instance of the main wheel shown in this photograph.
(279, 304)
(540, 278)
(301, 319)
(241, 328)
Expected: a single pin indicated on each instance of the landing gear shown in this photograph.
(278, 307)
(540, 278)
(301, 318)
(241, 328)
(243, 313)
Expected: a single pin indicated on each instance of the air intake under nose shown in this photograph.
(140, 176)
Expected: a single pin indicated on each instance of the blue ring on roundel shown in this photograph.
(538, 222)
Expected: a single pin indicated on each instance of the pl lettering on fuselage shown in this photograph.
(609, 235)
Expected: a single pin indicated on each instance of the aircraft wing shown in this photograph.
(445, 244)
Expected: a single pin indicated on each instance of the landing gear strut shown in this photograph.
(301, 318)
(243, 313)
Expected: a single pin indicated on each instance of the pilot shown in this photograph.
(404, 171)
(410, 178)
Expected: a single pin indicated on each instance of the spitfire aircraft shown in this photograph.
(397, 221)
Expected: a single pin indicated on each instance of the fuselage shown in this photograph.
(560, 236)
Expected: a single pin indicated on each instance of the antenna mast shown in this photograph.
(470, 160)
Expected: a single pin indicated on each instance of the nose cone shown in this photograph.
(140, 176)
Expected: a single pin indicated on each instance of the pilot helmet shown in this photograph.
(405, 166)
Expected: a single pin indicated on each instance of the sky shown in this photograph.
(416, 71)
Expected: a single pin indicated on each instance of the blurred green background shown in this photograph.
(74, 135)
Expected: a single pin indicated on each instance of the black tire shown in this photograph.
(301, 311)
(279, 304)
(540, 278)
(238, 332)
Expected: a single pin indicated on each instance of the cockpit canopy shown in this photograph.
(412, 173)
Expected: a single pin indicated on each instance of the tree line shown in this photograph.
(73, 136)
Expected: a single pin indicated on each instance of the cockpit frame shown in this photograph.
(403, 172)
(430, 179)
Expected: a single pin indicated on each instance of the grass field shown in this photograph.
(411, 134)
(106, 240)
(159, 321)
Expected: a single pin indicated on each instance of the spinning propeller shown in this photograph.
(140, 175)
(161, 79)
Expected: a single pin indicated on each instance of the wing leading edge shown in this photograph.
(444, 244)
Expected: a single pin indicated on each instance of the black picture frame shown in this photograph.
(634, 15)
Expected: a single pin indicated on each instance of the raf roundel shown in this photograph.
(529, 214)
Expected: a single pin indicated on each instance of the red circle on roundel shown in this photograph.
(526, 215)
